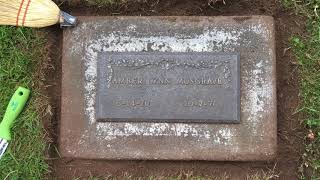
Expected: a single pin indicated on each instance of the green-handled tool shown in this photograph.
(15, 106)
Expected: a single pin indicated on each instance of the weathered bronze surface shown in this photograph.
(168, 87)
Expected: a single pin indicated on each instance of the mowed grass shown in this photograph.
(20, 53)
(307, 51)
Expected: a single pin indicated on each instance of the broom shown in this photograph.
(33, 13)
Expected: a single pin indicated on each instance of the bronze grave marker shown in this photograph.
(168, 87)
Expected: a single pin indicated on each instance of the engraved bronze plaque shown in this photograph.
(168, 87)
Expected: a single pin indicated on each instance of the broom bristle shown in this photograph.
(30, 13)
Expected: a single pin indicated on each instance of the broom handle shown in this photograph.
(15, 107)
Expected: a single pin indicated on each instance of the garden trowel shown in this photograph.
(15, 106)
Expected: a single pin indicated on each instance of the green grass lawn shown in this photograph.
(307, 51)
(20, 50)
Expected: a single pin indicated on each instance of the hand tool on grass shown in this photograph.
(33, 13)
(14, 108)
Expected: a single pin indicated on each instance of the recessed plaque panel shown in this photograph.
(168, 87)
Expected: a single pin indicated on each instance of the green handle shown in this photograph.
(15, 106)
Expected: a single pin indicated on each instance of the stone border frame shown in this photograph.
(255, 138)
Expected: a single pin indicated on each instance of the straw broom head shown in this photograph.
(30, 13)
